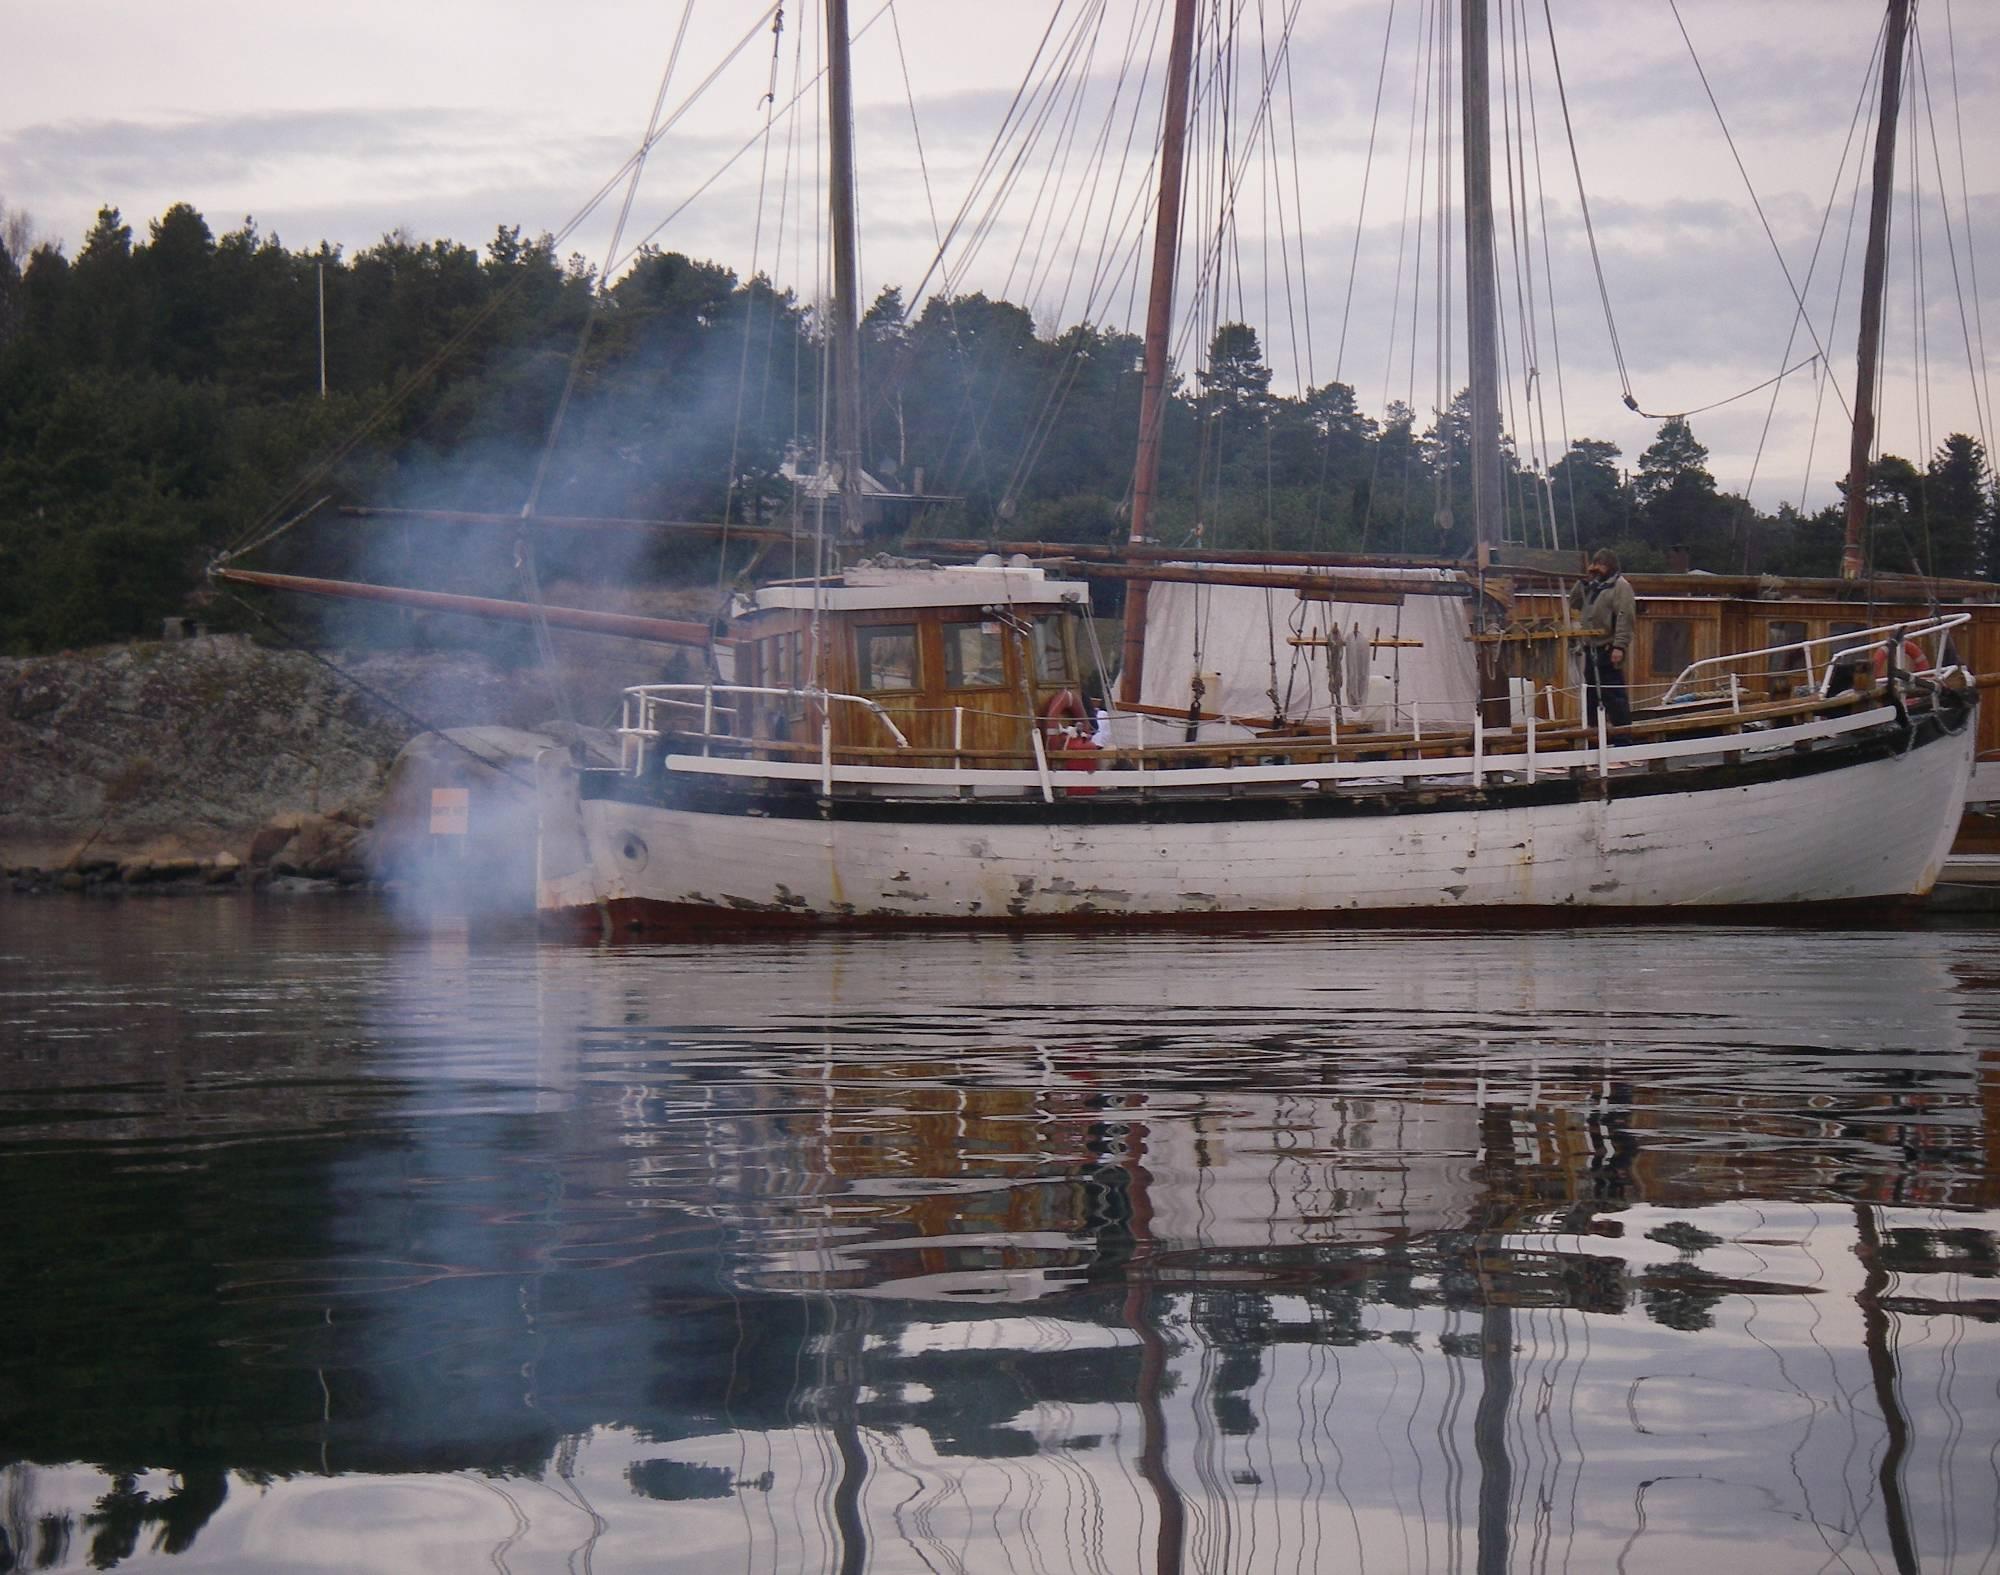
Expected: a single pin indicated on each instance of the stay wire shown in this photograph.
(1027, 121)
(1441, 395)
(1548, 283)
(1105, 275)
(1583, 200)
(637, 165)
(1097, 166)
(1776, 250)
(990, 160)
(1965, 202)
(1299, 210)
(1545, 499)
(1228, 181)
(285, 637)
(1862, 98)
(1419, 84)
(324, 467)
(1066, 85)
(1871, 88)
(749, 142)
(730, 480)
(1273, 193)
(1353, 269)
(525, 545)
(1049, 243)
(1982, 408)
(272, 534)
(1515, 202)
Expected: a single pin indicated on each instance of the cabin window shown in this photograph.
(973, 656)
(1673, 646)
(1837, 638)
(885, 657)
(1783, 666)
(780, 671)
(1785, 631)
(1051, 655)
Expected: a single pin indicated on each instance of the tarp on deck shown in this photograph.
(1238, 638)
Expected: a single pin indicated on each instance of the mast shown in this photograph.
(846, 274)
(1159, 321)
(1483, 340)
(1881, 183)
(1482, 333)
(1878, 1336)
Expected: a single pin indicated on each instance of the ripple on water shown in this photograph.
(367, 1241)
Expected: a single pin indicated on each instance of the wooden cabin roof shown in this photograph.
(875, 587)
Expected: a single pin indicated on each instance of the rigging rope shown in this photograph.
(1862, 99)
(1824, 379)
(1583, 199)
(1043, 426)
(1548, 282)
(324, 467)
(769, 102)
(524, 546)
(637, 165)
(1776, 250)
(285, 637)
(1982, 406)
(1971, 254)
(750, 142)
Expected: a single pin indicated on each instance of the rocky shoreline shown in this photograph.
(291, 852)
(214, 764)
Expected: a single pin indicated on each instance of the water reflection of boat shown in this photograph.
(780, 1253)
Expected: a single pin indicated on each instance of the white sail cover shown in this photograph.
(1234, 636)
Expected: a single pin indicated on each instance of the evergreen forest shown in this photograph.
(161, 400)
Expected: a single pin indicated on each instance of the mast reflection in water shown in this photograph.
(335, 1247)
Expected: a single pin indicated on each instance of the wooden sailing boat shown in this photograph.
(904, 742)
(901, 743)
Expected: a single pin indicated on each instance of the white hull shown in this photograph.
(1874, 830)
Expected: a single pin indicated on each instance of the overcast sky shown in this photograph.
(449, 118)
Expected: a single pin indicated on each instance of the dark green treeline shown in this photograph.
(160, 397)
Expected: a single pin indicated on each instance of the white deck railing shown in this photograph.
(1521, 756)
(1516, 756)
(639, 724)
(1474, 768)
(1849, 648)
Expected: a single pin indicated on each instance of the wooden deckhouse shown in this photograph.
(1775, 638)
(964, 661)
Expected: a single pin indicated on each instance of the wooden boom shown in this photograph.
(629, 626)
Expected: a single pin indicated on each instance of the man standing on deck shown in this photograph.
(1603, 600)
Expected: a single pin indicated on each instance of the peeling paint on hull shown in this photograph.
(1869, 833)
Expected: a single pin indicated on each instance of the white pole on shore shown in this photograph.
(320, 269)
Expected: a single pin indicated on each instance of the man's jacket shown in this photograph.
(1609, 611)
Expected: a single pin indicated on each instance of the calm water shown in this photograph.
(334, 1245)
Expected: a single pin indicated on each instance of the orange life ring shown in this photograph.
(1915, 659)
(1063, 708)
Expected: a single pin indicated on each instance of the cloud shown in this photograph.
(310, 167)
(1702, 306)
